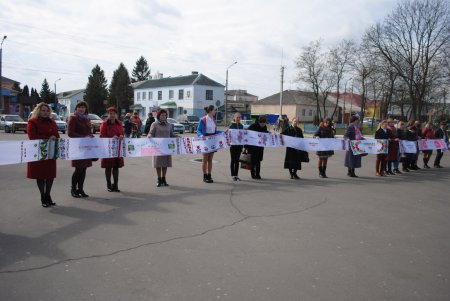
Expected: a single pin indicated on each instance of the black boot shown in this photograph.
(353, 175)
(74, 192)
(115, 187)
(49, 200)
(291, 172)
(160, 182)
(44, 201)
(205, 178)
(109, 186)
(163, 179)
(294, 174)
(81, 192)
(324, 169)
(210, 180)
(349, 172)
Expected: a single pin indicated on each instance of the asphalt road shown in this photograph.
(276, 239)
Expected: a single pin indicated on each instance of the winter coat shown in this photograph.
(110, 129)
(79, 128)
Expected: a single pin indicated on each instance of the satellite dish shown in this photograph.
(218, 103)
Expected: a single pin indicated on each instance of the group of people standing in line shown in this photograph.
(41, 126)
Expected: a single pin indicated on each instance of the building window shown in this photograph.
(310, 113)
(159, 95)
(138, 95)
(170, 94)
(209, 94)
(144, 95)
(188, 94)
(180, 110)
(303, 112)
(180, 94)
(150, 95)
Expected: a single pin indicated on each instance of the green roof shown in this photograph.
(194, 79)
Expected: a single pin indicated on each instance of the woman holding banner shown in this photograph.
(393, 149)
(41, 126)
(161, 129)
(112, 128)
(235, 150)
(427, 133)
(257, 152)
(409, 159)
(293, 157)
(381, 133)
(79, 126)
(352, 133)
(325, 130)
(207, 127)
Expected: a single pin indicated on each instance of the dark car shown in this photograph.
(190, 122)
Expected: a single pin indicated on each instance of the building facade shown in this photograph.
(177, 95)
(67, 101)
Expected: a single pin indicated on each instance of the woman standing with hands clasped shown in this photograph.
(257, 152)
(235, 150)
(161, 129)
(353, 133)
(207, 127)
(41, 126)
(380, 164)
(325, 130)
(112, 128)
(293, 157)
(79, 127)
(427, 133)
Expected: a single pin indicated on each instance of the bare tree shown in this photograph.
(339, 59)
(312, 70)
(411, 38)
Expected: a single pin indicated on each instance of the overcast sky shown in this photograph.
(66, 39)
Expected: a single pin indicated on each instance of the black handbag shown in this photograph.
(304, 156)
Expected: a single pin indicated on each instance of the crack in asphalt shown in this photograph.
(244, 217)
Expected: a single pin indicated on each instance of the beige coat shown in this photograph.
(161, 130)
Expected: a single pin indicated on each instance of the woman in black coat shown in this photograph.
(293, 158)
(382, 133)
(325, 130)
(409, 159)
(235, 150)
(353, 133)
(257, 152)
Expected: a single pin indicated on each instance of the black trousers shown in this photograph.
(439, 155)
(235, 153)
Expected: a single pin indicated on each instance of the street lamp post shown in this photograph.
(2, 104)
(226, 93)
(55, 96)
(345, 94)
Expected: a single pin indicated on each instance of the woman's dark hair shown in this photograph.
(160, 111)
(82, 104)
(209, 108)
(262, 119)
(353, 119)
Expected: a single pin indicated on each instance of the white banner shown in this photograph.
(87, 148)
(369, 146)
(143, 147)
(314, 144)
(408, 147)
(432, 144)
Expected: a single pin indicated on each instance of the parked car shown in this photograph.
(246, 123)
(12, 123)
(371, 122)
(177, 127)
(96, 122)
(61, 124)
(190, 122)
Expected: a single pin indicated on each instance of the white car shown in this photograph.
(12, 123)
(177, 127)
(62, 125)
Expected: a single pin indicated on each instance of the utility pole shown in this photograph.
(226, 94)
(2, 104)
(281, 91)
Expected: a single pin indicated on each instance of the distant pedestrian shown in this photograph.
(235, 150)
(127, 125)
(41, 126)
(353, 133)
(137, 125)
(161, 129)
(325, 130)
(148, 123)
(112, 128)
(207, 127)
(79, 127)
(293, 157)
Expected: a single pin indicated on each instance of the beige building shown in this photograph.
(295, 103)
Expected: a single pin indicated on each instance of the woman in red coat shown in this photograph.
(112, 128)
(427, 133)
(79, 127)
(41, 126)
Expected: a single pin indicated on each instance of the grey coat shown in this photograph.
(161, 130)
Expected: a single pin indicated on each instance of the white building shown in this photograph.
(189, 93)
(67, 101)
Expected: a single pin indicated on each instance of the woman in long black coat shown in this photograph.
(382, 133)
(293, 158)
(408, 160)
(257, 152)
(352, 133)
(235, 150)
(325, 130)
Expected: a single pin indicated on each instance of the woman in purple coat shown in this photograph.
(79, 127)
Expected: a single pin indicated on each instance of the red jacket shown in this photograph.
(428, 134)
(109, 130)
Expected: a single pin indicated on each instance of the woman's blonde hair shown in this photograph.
(37, 110)
(235, 115)
(381, 123)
